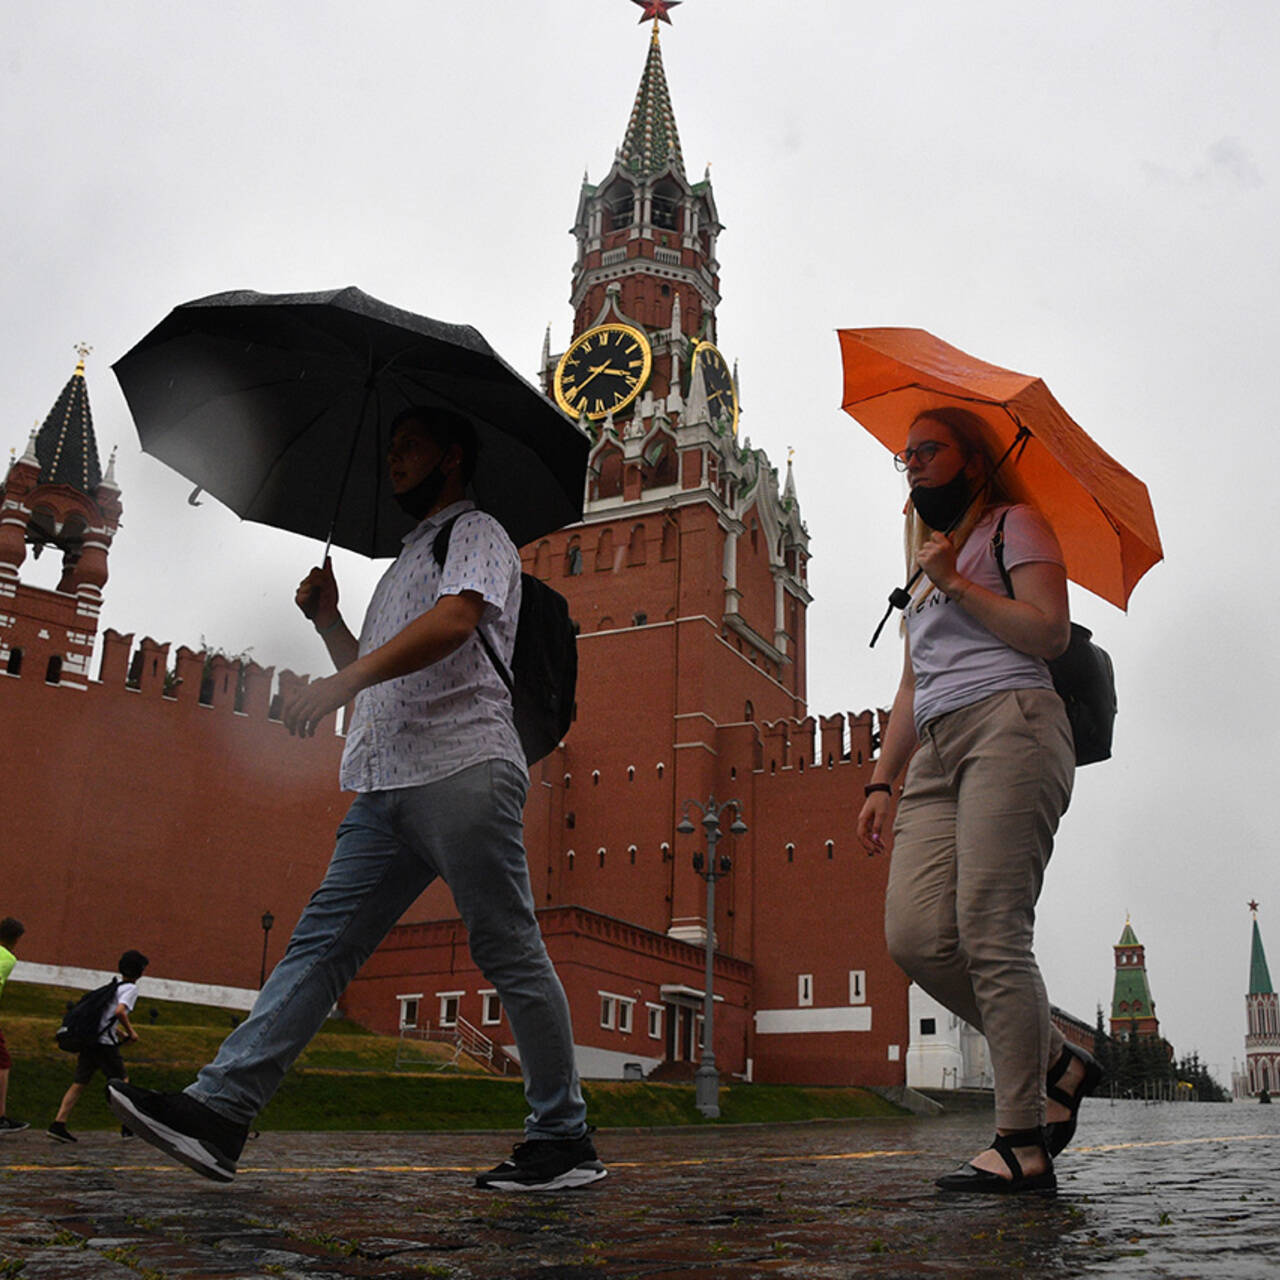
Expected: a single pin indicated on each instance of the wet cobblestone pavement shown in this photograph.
(1154, 1190)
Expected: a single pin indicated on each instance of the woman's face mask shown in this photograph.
(941, 505)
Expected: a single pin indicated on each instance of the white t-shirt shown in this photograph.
(956, 660)
(456, 712)
(127, 995)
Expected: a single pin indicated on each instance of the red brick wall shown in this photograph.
(135, 820)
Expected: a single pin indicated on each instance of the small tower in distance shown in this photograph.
(56, 497)
(1262, 1039)
(1133, 1011)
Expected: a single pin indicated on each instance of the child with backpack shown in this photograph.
(98, 1046)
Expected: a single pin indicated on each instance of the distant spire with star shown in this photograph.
(1259, 974)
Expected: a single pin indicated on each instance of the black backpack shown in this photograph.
(82, 1023)
(544, 670)
(1083, 676)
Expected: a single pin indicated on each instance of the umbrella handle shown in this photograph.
(899, 598)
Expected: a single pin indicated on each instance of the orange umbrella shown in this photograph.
(1100, 512)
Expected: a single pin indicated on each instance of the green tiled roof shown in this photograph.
(1128, 938)
(1259, 974)
(652, 143)
(1131, 989)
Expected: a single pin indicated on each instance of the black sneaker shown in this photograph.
(8, 1125)
(546, 1164)
(181, 1127)
(60, 1133)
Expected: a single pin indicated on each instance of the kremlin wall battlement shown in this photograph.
(160, 814)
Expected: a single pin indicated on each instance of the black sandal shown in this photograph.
(1058, 1133)
(968, 1179)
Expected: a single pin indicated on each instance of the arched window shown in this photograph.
(666, 202)
(14, 664)
(573, 559)
(542, 560)
(660, 459)
(619, 207)
(636, 546)
(670, 533)
(608, 469)
(604, 550)
(53, 672)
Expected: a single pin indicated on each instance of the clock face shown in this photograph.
(722, 396)
(603, 371)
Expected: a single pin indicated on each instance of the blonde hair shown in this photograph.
(966, 428)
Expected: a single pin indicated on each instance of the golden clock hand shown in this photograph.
(596, 370)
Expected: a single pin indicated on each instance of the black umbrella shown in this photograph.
(279, 406)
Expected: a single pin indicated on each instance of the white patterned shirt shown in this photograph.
(456, 712)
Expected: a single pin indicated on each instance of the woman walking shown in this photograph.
(991, 770)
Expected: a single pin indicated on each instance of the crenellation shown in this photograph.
(149, 668)
(188, 672)
(113, 670)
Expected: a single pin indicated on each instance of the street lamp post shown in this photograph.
(706, 1079)
(267, 921)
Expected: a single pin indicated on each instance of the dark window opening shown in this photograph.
(53, 672)
(666, 213)
(14, 665)
(928, 1026)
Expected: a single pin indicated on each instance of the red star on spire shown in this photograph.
(1253, 906)
(656, 9)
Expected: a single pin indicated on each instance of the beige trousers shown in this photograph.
(972, 838)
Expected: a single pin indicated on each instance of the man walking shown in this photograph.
(433, 754)
(10, 931)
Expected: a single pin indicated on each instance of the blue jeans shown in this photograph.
(391, 845)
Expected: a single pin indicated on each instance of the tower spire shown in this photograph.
(652, 143)
(66, 445)
(1259, 974)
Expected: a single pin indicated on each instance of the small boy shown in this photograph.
(105, 1055)
(10, 931)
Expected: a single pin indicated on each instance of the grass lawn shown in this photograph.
(347, 1078)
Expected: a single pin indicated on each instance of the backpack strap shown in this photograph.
(997, 547)
(440, 550)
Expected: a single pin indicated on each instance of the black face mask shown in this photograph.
(419, 500)
(939, 506)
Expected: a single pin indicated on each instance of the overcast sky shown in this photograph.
(1088, 194)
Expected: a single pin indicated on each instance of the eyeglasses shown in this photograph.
(922, 453)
